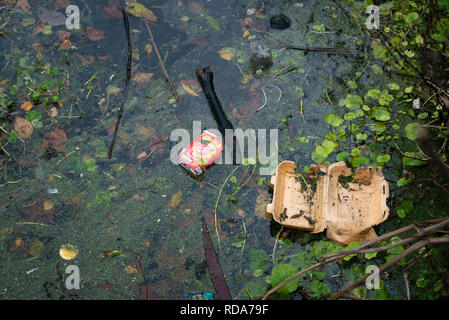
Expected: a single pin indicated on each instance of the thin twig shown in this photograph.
(128, 77)
(161, 62)
(144, 278)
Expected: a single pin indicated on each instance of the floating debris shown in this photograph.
(68, 251)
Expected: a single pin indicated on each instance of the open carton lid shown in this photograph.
(329, 198)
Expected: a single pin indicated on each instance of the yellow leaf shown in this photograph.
(226, 55)
(142, 77)
(48, 205)
(245, 34)
(131, 270)
(175, 200)
(139, 11)
(27, 106)
(188, 90)
(148, 47)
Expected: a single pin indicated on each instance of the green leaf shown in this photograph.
(13, 137)
(281, 272)
(370, 255)
(380, 114)
(412, 159)
(258, 259)
(360, 161)
(385, 98)
(419, 39)
(350, 116)
(256, 289)
(373, 93)
(334, 120)
(410, 130)
(319, 289)
(412, 16)
(408, 89)
(329, 146)
(355, 152)
(342, 156)
(379, 51)
(233, 179)
(384, 158)
(402, 182)
(361, 136)
(393, 86)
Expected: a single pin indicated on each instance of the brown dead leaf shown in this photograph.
(142, 77)
(94, 34)
(87, 61)
(113, 11)
(24, 5)
(62, 35)
(61, 4)
(144, 132)
(23, 127)
(65, 45)
(27, 106)
(39, 28)
(56, 138)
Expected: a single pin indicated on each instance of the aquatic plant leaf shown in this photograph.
(410, 130)
(334, 120)
(216, 274)
(138, 10)
(281, 272)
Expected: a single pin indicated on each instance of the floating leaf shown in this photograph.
(189, 90)
(138, 10)
(410, 130)
(175, 200)
(94, 34)
(141, 77)
(384, 158)
(334, 120)
(23, 127)
(27, 106)
(226, 53)
(380, 114)
(342, 156)
(412, 159)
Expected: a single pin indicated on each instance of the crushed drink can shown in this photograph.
(201, 153)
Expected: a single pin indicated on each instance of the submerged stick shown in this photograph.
(128, 77)
(216, 273)
(172, 86)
